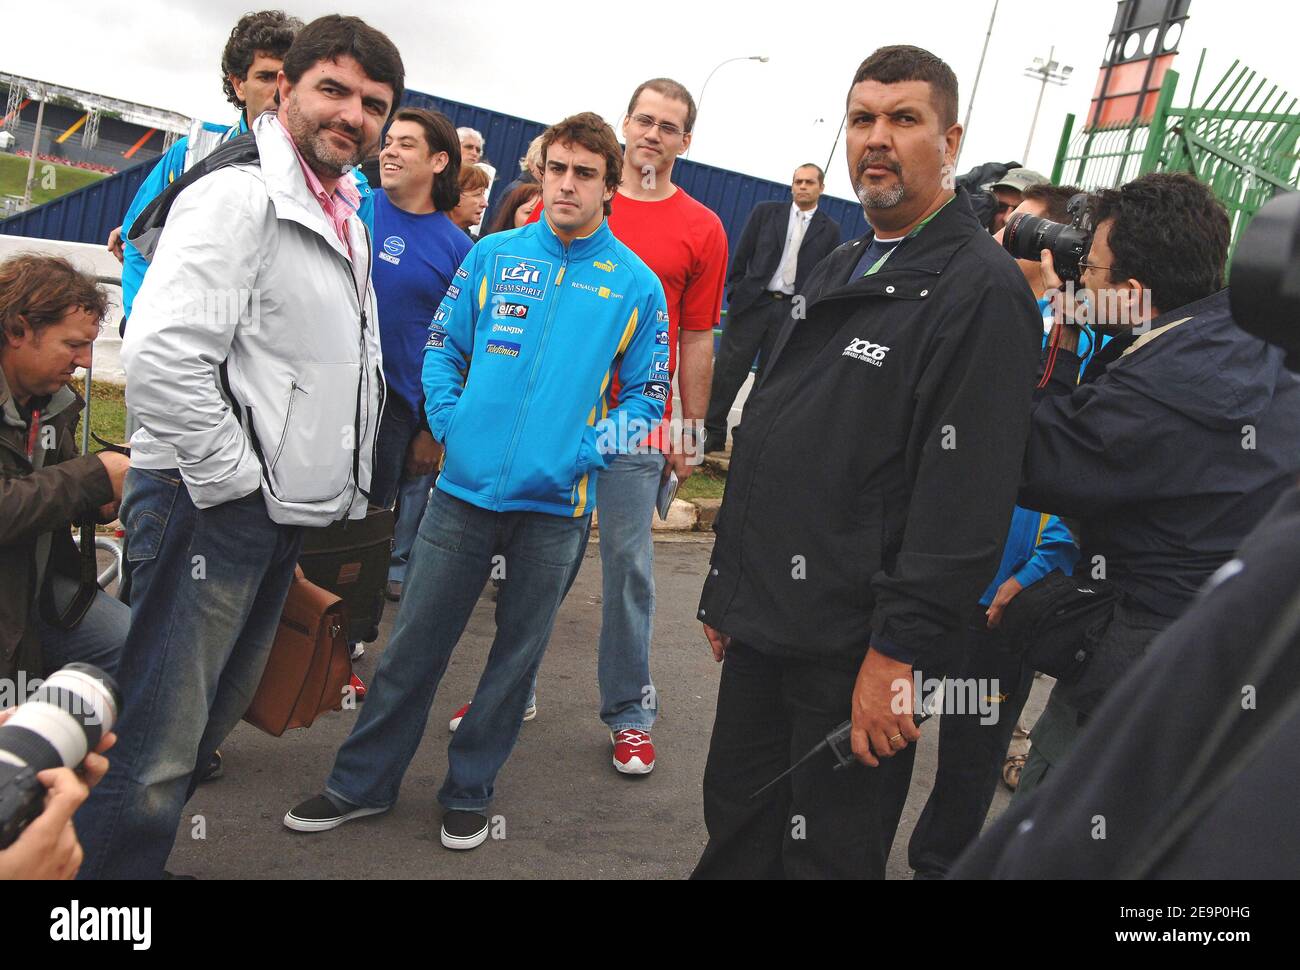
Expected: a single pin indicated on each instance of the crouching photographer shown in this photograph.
(50, 614)
(1162, 455)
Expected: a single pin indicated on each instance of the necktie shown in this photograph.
(791, 262)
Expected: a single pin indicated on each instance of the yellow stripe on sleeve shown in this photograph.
(628, 332)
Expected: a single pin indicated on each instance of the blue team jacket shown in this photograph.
(520, 360)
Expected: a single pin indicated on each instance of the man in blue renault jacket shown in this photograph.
(518, 367)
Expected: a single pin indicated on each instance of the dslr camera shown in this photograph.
(66, 717)
(1026, 236)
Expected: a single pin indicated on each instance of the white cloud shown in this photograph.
(763, 119)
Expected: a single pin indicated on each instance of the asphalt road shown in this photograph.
(565, 812)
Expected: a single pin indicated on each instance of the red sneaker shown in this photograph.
(358, 687)
(634, 752)
(530, 712)
(456, 718)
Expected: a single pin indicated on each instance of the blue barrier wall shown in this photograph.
(89, 214)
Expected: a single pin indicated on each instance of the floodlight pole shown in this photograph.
(31, 164)
(970, 105)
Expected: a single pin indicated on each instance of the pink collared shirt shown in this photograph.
(337, 207)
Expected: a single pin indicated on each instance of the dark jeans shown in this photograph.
(748, 333)
(971, 754)
(817, 824)
(208, 589)
(1117, 647)
(396, 429)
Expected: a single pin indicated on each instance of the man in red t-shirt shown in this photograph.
(684, 243)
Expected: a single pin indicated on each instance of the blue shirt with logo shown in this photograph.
(415, 260)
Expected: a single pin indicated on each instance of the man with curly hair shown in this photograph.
(250, 64)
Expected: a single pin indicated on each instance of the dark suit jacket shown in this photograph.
(759, 252)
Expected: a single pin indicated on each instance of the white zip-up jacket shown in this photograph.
(249, 272)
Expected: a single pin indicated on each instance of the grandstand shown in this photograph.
(86, 129)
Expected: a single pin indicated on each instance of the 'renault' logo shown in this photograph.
(865, 351)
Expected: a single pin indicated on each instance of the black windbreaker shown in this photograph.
(874, 475)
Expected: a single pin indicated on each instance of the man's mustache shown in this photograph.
(878, 160)
(344, 129)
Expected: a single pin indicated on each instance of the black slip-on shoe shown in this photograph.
(464, 830)
(319, 814)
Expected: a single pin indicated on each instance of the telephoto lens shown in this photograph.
(1026, 236)
(66, 717)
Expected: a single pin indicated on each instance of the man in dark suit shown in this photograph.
(778, 250)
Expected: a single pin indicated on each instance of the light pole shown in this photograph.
(36, 144)
(1047, 72)
(970, 105)
(699, 104)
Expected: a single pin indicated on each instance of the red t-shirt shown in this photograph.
(683, 242)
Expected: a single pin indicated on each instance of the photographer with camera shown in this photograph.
(1162, 456)
(1193, 770)
(50, 314)
(47, 847)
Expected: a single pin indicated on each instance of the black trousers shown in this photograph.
(817, 824)
(748, 333)
(971, 753)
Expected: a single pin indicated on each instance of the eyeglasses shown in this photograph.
(1084, 266)
(645, 123)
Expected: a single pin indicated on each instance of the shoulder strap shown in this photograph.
(149, 225)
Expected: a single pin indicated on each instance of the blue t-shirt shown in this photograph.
(416, 257)
(876, 249)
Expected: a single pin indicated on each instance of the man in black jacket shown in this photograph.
(1179, 438)
(869, 495)
(781, 245)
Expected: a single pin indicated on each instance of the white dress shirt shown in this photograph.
(776, 284)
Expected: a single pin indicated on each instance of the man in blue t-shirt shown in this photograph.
(417, 252)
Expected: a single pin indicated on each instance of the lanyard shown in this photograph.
(33, 433)
(875, 268)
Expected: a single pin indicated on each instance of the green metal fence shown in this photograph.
(1241, 141)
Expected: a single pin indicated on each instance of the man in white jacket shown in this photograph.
(253, 364)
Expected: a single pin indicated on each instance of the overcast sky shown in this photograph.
(544, 61)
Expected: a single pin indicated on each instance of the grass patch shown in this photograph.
(706, 482)
(65, 178)
(107, 411)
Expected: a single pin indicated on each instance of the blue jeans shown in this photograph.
(626, 502)
(390, 483)
(207, 590)
(450, 565)
(412, 497)
(629, 489)
(97, 639)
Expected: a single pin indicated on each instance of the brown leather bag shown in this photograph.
(310, 664)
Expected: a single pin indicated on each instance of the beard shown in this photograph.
(873, 197)
(879, 197)
(320, 153)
